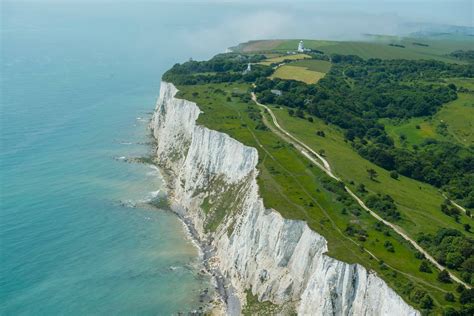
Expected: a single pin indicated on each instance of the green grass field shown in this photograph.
(457, 115)
(292, 186)
(298, 73)
(314, 65)
(416, 201)
(371, 47)
(415, 130)
(280, 59)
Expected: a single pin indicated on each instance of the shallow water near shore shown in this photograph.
(78, 89)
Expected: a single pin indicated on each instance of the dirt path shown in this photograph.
(462, 209)
(324, 165)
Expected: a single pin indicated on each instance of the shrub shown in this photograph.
(389, 246)
(425, 267)
(449, 297)
(444, 277)
(394, 175)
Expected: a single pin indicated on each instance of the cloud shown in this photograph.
(239, 28)
(280, 23)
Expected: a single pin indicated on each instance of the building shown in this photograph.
(301, 47)
(276, 92)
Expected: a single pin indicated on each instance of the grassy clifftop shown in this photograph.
(385, 47)
(290, 184)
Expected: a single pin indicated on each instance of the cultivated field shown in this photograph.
(280, 59)
(372, 47)
(290, 72)
(314, 65)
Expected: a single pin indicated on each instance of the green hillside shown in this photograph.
(373, 47)
(377, 122)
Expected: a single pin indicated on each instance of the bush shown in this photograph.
(384, 205)
(426, 302)
(425, 267)
(449, 297)
(467, 297)
(450, 312)
(444, 277)
(389, 246)
(394, 175)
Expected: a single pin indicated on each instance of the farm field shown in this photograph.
(373, 47)
(290, 72)
(280, 59)
(314, 65)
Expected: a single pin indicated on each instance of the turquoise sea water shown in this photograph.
(78, 84)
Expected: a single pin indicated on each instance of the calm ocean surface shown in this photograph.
(78, 83)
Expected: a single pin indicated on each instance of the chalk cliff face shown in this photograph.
(212, 183)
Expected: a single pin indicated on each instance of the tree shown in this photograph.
(361, 188)
(444, 277)
(425, 267)
(467, 296)
(460, 288)
(449, 297)
(468, 265)
(467, 227)
(466, 276)
(426, 302)
(450, 312)
(389, 246)
(372, 174)
(454, 260)
(299, 113)
(291, 112)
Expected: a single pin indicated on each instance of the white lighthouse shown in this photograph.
(301, 46)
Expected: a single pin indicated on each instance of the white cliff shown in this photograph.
(278, 260)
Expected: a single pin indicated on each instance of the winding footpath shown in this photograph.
(324, 165)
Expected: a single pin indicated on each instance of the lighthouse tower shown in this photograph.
(301, 47)
(249, 68)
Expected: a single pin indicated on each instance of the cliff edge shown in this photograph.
(211, 181)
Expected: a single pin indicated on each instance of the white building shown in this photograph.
(301, 47)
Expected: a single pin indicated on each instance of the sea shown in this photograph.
(79, 82)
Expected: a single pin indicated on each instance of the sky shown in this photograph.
(456, 12)
(243, 20)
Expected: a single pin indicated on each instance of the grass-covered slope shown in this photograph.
(385, 47)
(453, 122)
(290, 184)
